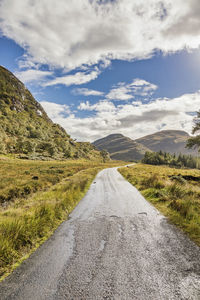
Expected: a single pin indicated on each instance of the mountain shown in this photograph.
(124, 148)
(26, 130)
(172, 141)
(121, 147)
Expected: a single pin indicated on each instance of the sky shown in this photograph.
(107, 66)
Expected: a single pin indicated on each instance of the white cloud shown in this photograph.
(123, 91)
(133, 120)
(101, 106)
(75, 79)
(142, 87)
(55, 110)
(33, 75)
(87, 92)
(75, 33)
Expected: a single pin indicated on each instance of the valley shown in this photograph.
(99, 150)
(65, 207)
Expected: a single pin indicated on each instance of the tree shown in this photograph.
(180, 161)
(194, 142)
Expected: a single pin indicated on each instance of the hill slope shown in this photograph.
(121, 147)
(26, 129)
(172, 141)
(124, 148)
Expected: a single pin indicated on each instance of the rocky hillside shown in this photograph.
(121, 147)
(26, 130)
(172, 141)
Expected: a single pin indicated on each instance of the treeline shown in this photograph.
(163, 158)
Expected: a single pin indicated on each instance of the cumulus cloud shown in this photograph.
(75, 79)
(142, 87)
(124, 91)
(87, 92)
(120, 92)
(134, 120)
(147, 116)
(101, 106)
(55, 110)
(77, 33)
(33, 75)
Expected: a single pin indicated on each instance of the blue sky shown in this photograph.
(102, 67)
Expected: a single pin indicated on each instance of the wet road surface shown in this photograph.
(115, 245)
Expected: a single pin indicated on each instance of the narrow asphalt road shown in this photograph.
(114, 246)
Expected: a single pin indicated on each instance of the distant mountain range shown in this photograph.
(121, 147)
(124, 148)
(26, 130)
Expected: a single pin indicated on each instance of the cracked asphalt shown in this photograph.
(115, 245)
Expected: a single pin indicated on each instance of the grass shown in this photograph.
(36, 196)
(175, 192)
(19, 179)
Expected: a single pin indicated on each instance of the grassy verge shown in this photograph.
(35, 198)
(20, 179)
(175, 192)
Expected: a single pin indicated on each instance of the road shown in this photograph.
(115, 245)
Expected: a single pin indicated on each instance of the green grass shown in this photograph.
(167, 189)
(19, 179)
(31, 209)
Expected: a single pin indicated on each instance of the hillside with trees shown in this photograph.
(27, 131)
